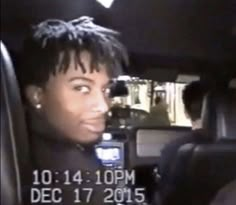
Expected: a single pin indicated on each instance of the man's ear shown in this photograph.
(34, 95)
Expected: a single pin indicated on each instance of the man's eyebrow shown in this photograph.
(109, 83)
(81, 78)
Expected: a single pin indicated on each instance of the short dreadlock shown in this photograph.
(48, 48)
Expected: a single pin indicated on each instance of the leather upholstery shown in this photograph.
(219, 114)
(226, 115)
(15, 166)
(200, 170)
(213, 165)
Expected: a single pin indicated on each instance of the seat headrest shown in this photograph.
(219, 113)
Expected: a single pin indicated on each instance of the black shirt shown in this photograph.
(64, 172)
(168, 155)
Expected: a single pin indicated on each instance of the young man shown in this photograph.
(193, 96)
(65, 76)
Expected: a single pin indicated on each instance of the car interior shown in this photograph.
(170, 43)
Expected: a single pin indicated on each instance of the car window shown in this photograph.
(139, 107)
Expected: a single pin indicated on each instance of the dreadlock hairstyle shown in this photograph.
(49, 49)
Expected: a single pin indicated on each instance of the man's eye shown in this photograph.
(83, 89)
(107, 91)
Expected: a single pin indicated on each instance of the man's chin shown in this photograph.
(91, 142)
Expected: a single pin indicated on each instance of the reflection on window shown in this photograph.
(141, 103)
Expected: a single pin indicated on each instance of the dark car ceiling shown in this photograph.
(188, 35)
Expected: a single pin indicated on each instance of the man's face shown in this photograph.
(76, 103)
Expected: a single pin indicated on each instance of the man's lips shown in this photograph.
(96, 125)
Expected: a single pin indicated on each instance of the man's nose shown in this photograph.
(101, 103)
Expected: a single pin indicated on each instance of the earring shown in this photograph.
(38, 106)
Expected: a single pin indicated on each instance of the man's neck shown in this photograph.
(197, 124)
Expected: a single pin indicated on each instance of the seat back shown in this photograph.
(205, 167)
(15, 163)
(213, 166)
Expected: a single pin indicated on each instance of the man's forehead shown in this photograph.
(73, 74)
(78, 71)
(99, 78)
(82, 65)
(85, 66)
